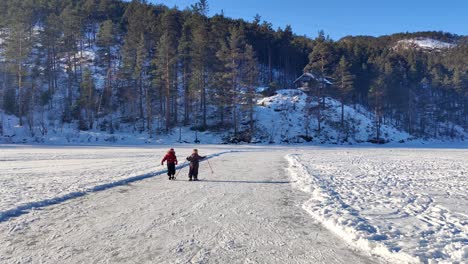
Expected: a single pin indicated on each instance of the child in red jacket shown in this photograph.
(171, 159)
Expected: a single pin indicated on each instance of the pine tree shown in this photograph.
(138, 75)
(267, 34)
(345, 84)
(201, 7)
(199, 56)
(71, 33)
(50, 40)
(321, 61)
(135, 54)
(184, 52)
(377, 94)
(250, 74)
(232, 55)
(106, 39)
(221, 84)
(18, 48)
(87, 100)
(284, 39)
(460, 85)
(166, 60)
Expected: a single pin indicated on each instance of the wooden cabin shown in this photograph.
(308, 82)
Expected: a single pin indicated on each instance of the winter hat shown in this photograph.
(195, 150)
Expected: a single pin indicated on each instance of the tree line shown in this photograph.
(424, 93)
(104, 64)
(155, 67)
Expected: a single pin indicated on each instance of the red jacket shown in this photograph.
(170, 157)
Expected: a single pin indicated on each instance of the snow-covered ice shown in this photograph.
(31, 176)
(114, 204)
(403, 204)
(243, 213)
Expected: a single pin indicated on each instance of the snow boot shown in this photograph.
(190, 179)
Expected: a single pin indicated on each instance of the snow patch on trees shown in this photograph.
(425, 44)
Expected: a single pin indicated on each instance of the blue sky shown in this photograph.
(339, 18)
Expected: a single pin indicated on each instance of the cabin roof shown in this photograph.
(308, 76)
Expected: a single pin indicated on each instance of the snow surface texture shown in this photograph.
(425, 44)
(243, 213)
(404, 205)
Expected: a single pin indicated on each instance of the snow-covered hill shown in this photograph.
(427, 44)
(284, 118)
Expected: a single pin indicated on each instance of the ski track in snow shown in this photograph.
(246, 212)
(22, 190)
(404, 205)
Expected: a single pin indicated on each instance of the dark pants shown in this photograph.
(193, 171)
(170, 169)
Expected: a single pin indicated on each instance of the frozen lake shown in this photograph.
(380, 204)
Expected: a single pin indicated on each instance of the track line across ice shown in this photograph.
(23, 208)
